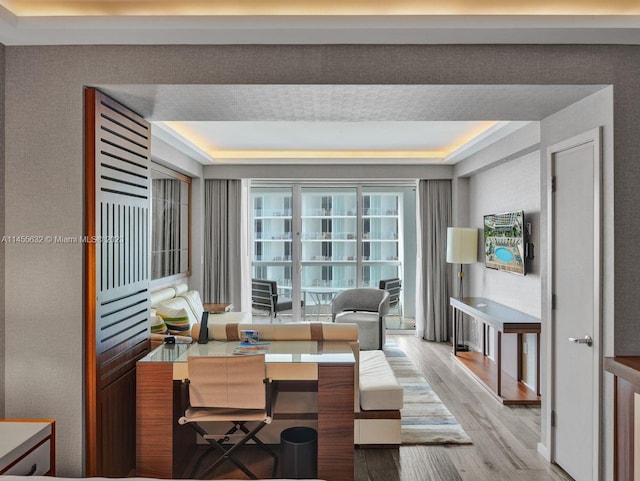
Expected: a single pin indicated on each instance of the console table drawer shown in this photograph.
(27, 447)
(35, 463)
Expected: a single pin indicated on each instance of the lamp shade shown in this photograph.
(462, 245)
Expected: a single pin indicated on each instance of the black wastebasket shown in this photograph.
(299, 453)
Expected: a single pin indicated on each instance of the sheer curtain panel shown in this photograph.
(434, 215)
(222, 243)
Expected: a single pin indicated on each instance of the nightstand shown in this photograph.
(27, 447)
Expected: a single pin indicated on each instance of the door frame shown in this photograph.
(593, 136)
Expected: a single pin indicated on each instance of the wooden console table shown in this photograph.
(504, 320)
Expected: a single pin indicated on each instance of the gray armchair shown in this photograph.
(366, 307)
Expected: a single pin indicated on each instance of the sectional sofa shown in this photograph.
(184, 307)
(378, 397)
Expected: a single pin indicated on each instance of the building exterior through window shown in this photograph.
(316, 241)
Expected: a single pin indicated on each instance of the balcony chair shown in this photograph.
(264, 297)
(393, 286)
(366, 307)
(231, 389)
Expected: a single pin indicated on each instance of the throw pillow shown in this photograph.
(158, 325)
(177, 320)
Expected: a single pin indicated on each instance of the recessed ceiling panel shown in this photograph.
(432, 136)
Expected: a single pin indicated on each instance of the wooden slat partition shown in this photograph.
(117, 203)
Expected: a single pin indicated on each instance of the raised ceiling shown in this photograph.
(398, 123)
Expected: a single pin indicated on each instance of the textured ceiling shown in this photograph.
(347, 102)
(400, 122)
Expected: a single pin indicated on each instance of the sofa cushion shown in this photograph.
(368, 327)
(194, 302)
(379, 388)
(298, 331)
(161, 295)
(180, 289)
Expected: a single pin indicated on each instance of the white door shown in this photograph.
(575, 323)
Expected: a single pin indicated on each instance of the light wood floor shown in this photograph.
(504, 438)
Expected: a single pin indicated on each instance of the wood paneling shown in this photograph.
(163, 447)
(335, 423)
(626, 370)
(624, 441)
(117, 423)
(117, 203)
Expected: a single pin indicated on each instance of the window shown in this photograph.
(170, 226)
(311, 239)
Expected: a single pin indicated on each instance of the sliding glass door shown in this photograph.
(272, 236)
(317, 241)
(381, 233)
(329, 246)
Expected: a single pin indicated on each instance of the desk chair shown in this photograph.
(264, 297)
(367, 307)
(393, 286)
(233, 389)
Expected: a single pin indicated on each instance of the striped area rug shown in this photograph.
(425, 419)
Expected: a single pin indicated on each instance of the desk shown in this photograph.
(163, 447)
(490, 374)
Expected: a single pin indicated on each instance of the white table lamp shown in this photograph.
(462, 248)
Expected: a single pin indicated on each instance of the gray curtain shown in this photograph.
(434, 214)
(222, 243)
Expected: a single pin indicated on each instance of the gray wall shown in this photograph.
(511, 186)
(503, 177)
(2, 321)
(44, 180)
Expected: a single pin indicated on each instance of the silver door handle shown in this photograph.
(582, 340)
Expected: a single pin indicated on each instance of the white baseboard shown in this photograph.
(544, 452)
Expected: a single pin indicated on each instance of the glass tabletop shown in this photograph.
(291, 352)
